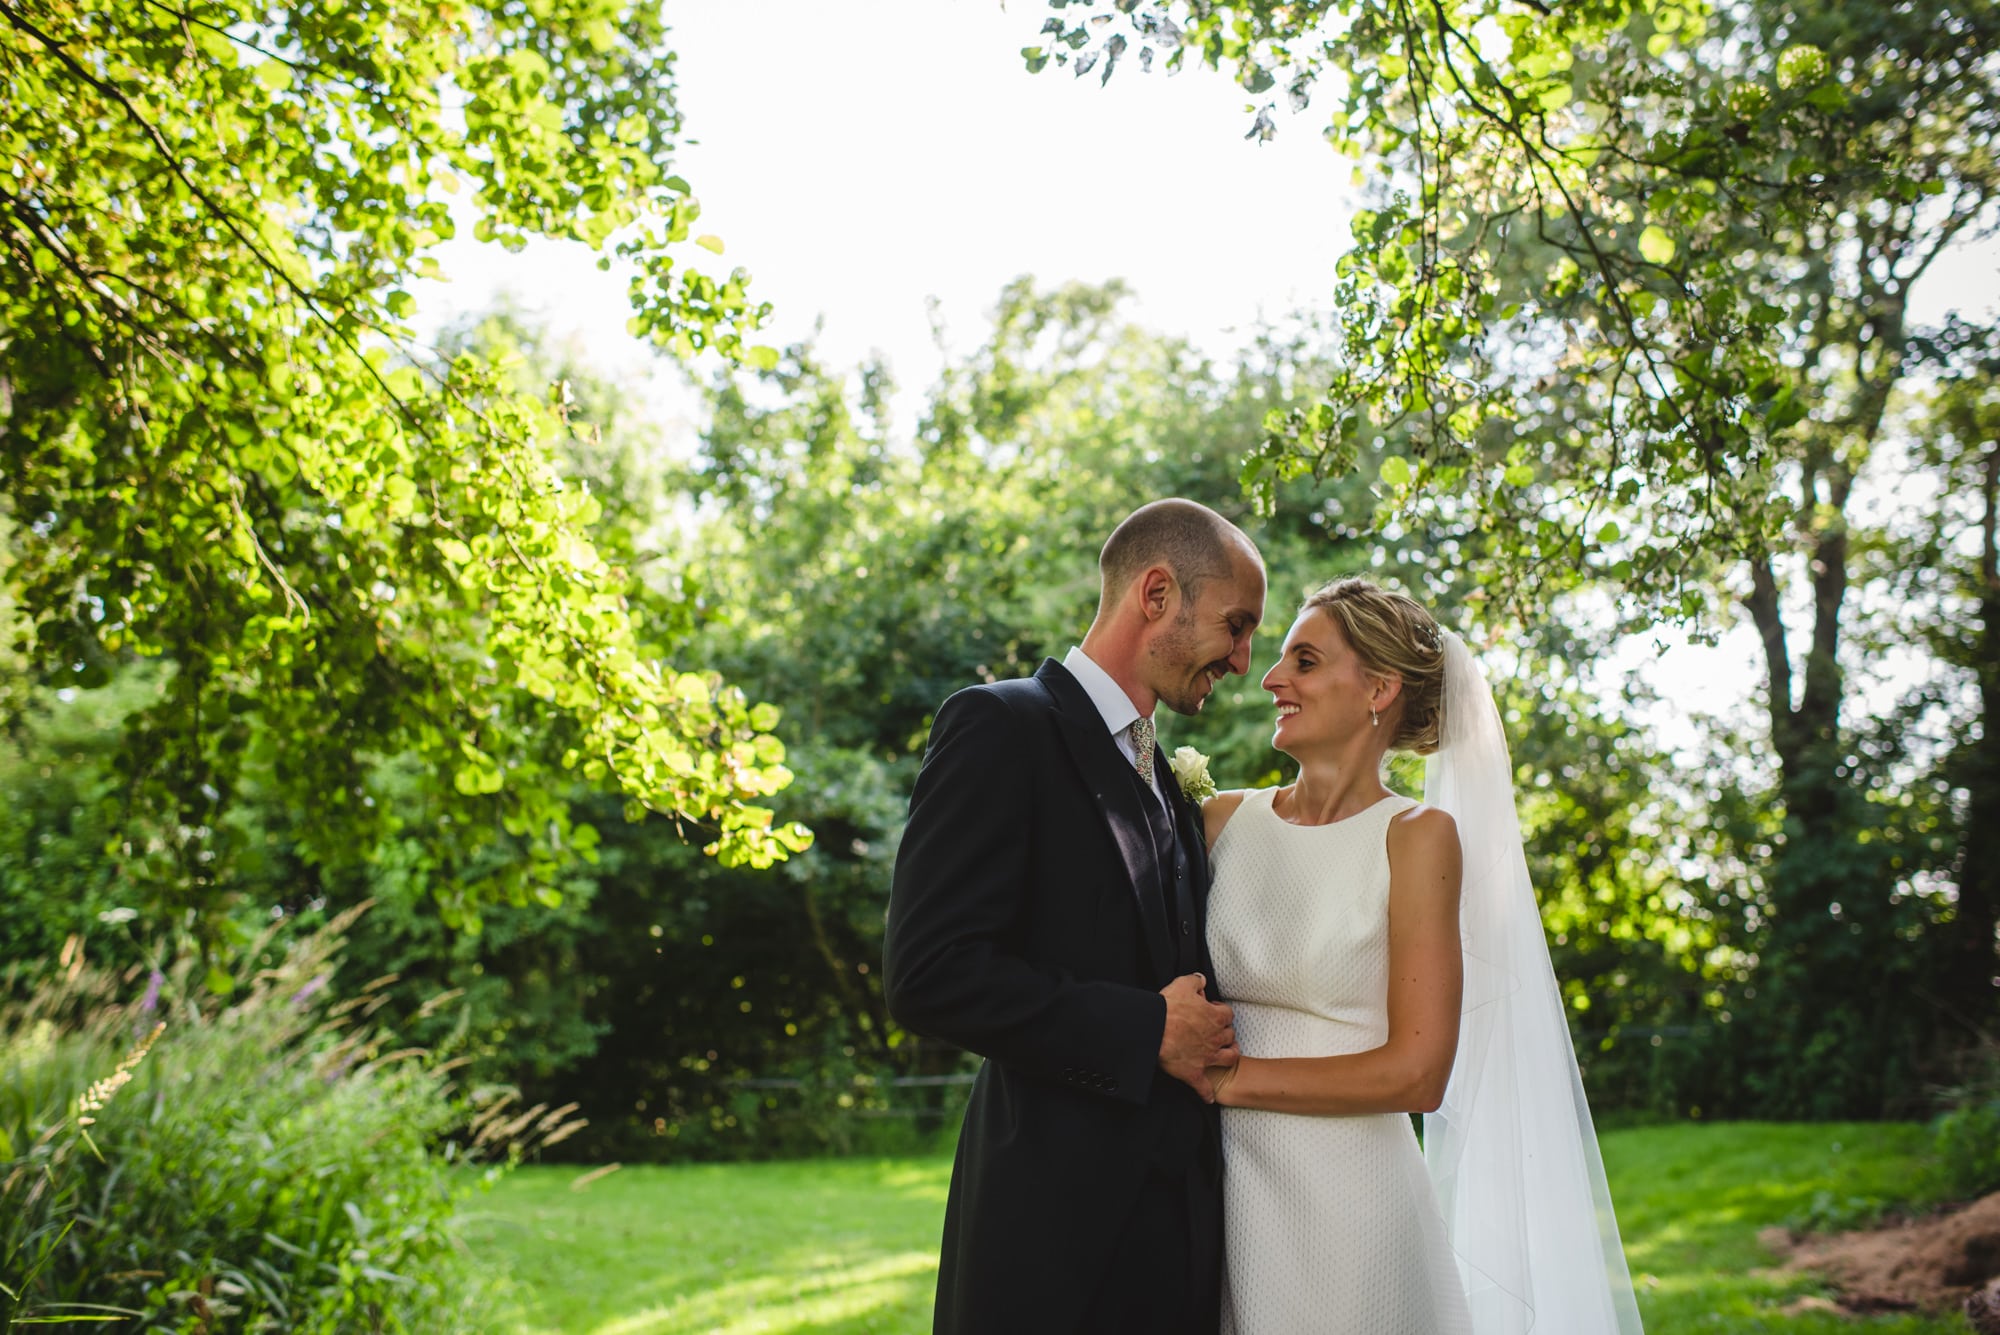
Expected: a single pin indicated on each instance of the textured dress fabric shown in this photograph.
(1330, 1224)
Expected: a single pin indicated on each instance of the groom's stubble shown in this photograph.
(1185, 683)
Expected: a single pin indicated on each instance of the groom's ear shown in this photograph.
(1157, 590)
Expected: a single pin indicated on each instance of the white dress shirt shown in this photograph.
(1115, 706)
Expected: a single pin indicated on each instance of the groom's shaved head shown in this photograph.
(1191, 540)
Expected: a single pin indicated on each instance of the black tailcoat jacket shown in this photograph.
(1033, 921)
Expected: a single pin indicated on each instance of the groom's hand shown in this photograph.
(1200, 1033)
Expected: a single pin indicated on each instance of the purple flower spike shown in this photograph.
(148, 1003)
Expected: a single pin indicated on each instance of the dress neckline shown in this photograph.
(1271, 805)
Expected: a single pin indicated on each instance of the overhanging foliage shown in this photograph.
(219, 447)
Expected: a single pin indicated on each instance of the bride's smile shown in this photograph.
(1321, 691)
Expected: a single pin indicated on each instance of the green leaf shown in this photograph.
(709, 242)
(1395, 470)
(1785, 410)
(1656, 246)
(62, 1320)
(1802, 66)
(478, 779)
(274, 75)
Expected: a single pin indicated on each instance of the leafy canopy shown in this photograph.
(219, 447)
(1615, 251)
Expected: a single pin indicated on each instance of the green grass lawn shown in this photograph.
(847, 1245)
(850, 1245)
(1691, 1200)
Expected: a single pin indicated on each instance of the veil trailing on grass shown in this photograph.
(1511, 1152)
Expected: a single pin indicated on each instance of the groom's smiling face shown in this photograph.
(1209, 637)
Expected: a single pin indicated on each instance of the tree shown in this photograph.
(855, 573)
(1633, 301)
(219, 448)
(1946, 570)
(867, 577)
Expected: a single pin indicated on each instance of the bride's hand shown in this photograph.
(1219, 1080)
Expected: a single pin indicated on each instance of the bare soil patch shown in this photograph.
(1932, 1264)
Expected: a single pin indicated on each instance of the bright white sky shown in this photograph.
(860, 159)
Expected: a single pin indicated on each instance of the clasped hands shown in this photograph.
(1198, 1046)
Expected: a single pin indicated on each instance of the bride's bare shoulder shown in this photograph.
(1217, 810)
(1423, 831)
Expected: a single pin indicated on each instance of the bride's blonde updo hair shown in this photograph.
(1393, 636)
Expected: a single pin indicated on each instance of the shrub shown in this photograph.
(1965, 1150)
(1965, 1137)
(269, 1163)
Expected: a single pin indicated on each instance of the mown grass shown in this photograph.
(1692, 1199)
(849, 1246)
(838, 1245)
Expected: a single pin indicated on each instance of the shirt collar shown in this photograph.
(1112, 703)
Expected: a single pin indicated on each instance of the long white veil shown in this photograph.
(1511, 1152)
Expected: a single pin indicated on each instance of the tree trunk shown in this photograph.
(1818, 1033)
(1969, 965)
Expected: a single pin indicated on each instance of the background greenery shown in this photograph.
(279, 1161)
(437, 688)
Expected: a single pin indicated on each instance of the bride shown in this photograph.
(1386, 957)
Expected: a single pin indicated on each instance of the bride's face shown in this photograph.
(1321, 692)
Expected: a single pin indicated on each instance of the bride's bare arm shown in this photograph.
(1426, 980)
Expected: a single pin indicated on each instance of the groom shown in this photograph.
(1047, 913)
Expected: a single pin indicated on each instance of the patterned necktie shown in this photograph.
(1142, 748)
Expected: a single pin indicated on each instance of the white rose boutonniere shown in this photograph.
(1190, 769)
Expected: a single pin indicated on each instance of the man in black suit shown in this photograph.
(1047, 913)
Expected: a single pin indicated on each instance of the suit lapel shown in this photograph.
(1188, 828)
(1115, 787)
(1187, 818)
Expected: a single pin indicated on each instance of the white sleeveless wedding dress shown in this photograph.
(1330, 1224)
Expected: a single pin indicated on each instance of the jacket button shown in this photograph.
(1185, 929)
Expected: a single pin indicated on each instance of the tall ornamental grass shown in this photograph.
(269, 1162)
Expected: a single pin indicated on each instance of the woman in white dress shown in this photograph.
(1385, 957)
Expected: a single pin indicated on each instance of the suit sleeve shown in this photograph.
(951, 955)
